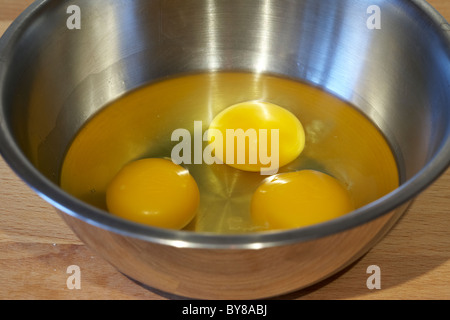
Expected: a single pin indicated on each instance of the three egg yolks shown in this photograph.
(159, 193)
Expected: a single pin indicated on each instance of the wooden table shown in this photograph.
(36, 247)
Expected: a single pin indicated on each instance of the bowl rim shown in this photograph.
(68, 204)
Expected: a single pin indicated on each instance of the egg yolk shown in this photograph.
(154, 192)
(263, 126)
(299, 199)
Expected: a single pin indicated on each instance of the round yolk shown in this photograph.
(299, 199)
(261, 132)
(154, 192)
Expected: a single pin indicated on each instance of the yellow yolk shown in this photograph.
(154, 192)
(299, 199)
(264, 126)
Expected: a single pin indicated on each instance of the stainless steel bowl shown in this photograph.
(53, 79)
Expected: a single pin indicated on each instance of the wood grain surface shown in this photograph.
(36, 247)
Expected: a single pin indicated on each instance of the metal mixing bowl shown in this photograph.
(53, 79)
